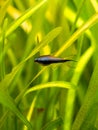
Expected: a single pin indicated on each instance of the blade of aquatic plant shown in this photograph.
(93, 20)
(3, 7)
(9, 77)
(22, 18)
(60, 84)
(81, 64)
(7, 101)
(15, 13)
(79, 46)
(89, 120)
(20, 4)
(75, 79)
(94, 4)
(89, 99)
(31, 110)
(2, 60)
(53, 124)
(3, 118)
(77, 16)
(69, 12)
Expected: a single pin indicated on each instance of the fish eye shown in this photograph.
(36, 60)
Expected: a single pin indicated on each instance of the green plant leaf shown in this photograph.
(3, 7)
(60, 84)
(89, 121)
(89, 99)
(53, 124)
(7, 101)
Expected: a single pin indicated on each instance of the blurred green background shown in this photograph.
(55, 97)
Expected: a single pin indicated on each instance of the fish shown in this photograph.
(49, 59)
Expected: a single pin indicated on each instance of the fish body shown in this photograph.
(48, 59)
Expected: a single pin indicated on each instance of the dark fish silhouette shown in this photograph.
(48, 59)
